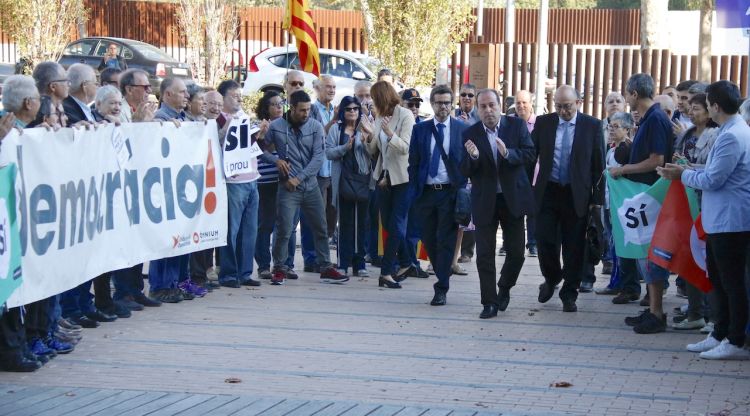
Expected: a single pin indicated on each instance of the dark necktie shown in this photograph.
(435, 161)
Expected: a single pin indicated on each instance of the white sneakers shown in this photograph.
(711, 349)
(706, 345)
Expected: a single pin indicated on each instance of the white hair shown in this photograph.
(16, 89)
(78, 74)
(105, 92)
(328, 77)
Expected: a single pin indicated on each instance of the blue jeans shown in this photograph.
(352, 218)
(236, 259)
(394, 211)
(307, 235)
(652, 272)
(311, 204)
(629, 278)
(165, 273)
(266, 220)
(77, 301)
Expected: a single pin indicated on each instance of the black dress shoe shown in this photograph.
(503, 299)
(146, 301)
(118, 310)
(438, 299)
(383, 282)
(545, 292)
(489, 311)
(100, 316)
(251, 282)
(570, 306)
(586, 287)
(84, 321)
(20, 364)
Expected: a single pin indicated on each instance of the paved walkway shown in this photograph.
(308, 348)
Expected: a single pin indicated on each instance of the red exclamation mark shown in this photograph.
(210, 200)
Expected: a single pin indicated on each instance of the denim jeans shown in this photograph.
(77, 301)
(629, 277)
(352, 217)
(267, 193)
(237, 256)
(165, 273)
(394, 211)
(310, 203)
(307, 240)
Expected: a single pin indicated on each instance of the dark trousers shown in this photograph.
(435, 212)
(103, 291)
(486, 236)
(37, 318)
(587, 273)
(725, 260)
(558, 227)
(128, 282)
(12, 334)
(467, 244)
(394, 211)
(629, 278)
(373, 225)
(201, 262)
(352, 235)
(78, 300)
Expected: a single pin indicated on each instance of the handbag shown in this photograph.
(595, 240)
(354, 186)
(462, 210)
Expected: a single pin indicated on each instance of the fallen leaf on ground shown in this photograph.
(561, 384)
(233, 380)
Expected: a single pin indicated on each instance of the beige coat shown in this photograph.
(396, 153)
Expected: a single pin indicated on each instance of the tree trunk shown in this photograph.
(364, 6)
(704, 41)
(654, 33)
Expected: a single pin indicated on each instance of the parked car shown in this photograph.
(266, 70)
(149, 58)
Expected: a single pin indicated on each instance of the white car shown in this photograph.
(267, 69)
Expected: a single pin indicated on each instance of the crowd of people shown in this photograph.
(372, 167)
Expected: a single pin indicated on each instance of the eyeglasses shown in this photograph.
(145, 86)
(276, 104)
(351, 109)
(442, 103)
(467, 94)
(565, 107)
(412, 104)
(614, 126)
(297, 83)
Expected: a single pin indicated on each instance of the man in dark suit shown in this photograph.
(83, 87)
(435, 153)
(571, 161)
(498, 149)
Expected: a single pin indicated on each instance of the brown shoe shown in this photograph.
(624, 297)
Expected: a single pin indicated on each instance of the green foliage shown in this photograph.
(411, 36)
(41, 28)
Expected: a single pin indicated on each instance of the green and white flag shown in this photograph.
(634, 209)
(10, 242)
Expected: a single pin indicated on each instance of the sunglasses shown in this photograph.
(413, 104)
(297, 83)
(467, 94)
(351, 109)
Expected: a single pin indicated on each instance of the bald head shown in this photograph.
(566, 102)
(524, 104)
(667, 104)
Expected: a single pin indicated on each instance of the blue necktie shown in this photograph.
(435, 160)
(565, 155)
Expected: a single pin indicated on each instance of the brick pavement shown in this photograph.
(307, 346)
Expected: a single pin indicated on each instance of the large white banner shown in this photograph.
(95, 201)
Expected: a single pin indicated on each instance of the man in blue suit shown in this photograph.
(435, 155)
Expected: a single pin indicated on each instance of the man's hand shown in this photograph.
(145, 111)
(472, 149)
(85, 125)
(501, 147)
(616, 172)
(678, 127)
(365, 126)
(6, 124)
(283, 167)
(671, 171)
(291, 184)
(463, 116)
(263, 126)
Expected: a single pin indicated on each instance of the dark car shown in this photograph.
(149, 58)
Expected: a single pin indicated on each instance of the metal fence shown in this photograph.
(595, 71)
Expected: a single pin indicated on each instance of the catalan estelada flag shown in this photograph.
(299, 22)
